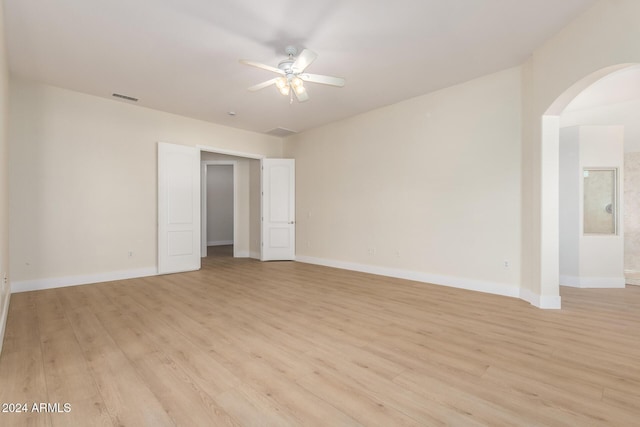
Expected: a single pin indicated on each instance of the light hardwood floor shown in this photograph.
(273, 344)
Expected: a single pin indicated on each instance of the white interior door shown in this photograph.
(178, 208)
(278, 210)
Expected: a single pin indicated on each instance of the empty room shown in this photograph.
(297, 213)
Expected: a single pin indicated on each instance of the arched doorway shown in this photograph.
(549, 195)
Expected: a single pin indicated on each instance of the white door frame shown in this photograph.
(203, 202)
(209, 149)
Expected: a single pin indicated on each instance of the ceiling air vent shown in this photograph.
(281, 132)
(128, 98)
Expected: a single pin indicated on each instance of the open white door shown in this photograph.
(178, 208)
(278, 210)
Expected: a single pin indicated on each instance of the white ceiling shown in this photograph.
(181, 56)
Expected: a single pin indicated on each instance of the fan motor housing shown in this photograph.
(286, 65)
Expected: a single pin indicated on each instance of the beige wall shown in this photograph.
(606, 35)
(83, 179)
(4, 181)
(632, 213)
(219, 204)
(570, 200)
(430, 185)
(255, 199)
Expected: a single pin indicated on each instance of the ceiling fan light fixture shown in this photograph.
(282, 82)
(296, 82)
(284, 90)
(291, 80)
(299, 89)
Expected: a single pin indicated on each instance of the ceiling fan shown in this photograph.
(292, 75)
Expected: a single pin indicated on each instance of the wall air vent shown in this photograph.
(128, 98)
(281, 132)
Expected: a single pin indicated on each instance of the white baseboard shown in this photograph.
(3, 318)
(241, 254)
(541, 301)
(632, 277)
(60, 282)
(219, 242)
(592, 282)
(451, 281)
(254, 255)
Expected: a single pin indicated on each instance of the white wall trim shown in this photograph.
(242, 254)
(451, 281)
(571, 281)
(547, 302)
(635, 281)
(3, 318)
(593, 282)
(219, 242)
(254, 255)
(230, 152)
(61, 282)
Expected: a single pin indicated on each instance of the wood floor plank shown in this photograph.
(264, 384)
(198, 363)
(242, 342)
(22, 371)
(127, 397)
(344, 395)
(380, 386)
(68, 378)
(250, 411)
(174, 388)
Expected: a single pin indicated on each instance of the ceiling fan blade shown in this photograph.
(263, 66)
(325, 80)
(304, 60)
(302, 96)
(263, 84)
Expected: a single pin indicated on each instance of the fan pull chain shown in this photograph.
(291, 97)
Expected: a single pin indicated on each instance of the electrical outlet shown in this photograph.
(130, 253)
(371, 251)
(505, 264)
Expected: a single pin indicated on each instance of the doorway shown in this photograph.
(219, 212)
(615, 100)
(180, 197)
(549, 287)
(246, 204)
